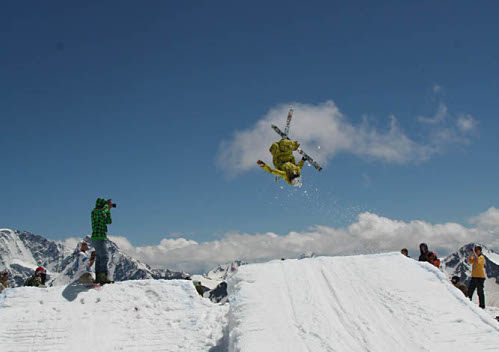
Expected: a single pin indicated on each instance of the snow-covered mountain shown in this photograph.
(307, 254)
(223, 271)
(21, 252)
(457, 264)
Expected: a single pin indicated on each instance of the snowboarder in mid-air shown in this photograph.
(283, 158)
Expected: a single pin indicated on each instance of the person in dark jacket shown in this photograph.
(456, 281)
(423, 249)
(101, 217)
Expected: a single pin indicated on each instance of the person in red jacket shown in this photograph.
(432, 259)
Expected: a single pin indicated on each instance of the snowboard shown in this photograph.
(299, 150)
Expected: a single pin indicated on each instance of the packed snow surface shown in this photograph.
(143, 315)
(382, 303)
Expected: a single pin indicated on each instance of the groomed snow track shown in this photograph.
(373, 303)
(376, 303)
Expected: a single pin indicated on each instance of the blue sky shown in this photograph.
(133, 102)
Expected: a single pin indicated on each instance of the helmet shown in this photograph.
(40, 270)
(296, 181)
(455, 279)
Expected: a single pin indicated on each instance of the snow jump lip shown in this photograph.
(383, 302)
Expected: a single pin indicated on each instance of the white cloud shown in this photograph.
(488, 220)
(176, 234)
(436, 89)
(320, 125)
(371, 233)
(438, 117)
(324, 131)
(466, 123)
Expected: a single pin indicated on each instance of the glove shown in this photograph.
(261, 163)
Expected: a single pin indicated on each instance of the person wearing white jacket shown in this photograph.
(84, 273)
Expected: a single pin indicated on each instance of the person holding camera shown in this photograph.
(101, 217)
(477, 275)
(84, 271)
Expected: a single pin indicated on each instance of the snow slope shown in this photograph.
(142, 315)
(382, 303)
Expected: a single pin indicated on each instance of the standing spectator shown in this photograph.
(405, 252)
(423, 248)
(101, 217)
(477, 275)
(456, 281)
(4, 280)
(84, 271)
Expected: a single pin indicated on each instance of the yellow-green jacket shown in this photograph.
(478, 265)
(288, 169)
(282, 152)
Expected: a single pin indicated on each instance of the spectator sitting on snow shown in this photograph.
(423, 248)
(405, 252)
(432, 259)
(4, 280)
(84, 272)
(456, 281)
(38, 279)
(477, 275)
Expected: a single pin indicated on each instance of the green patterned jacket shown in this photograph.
(101, 217)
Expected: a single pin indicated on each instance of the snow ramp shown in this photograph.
(384, 302)
(143, 315)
